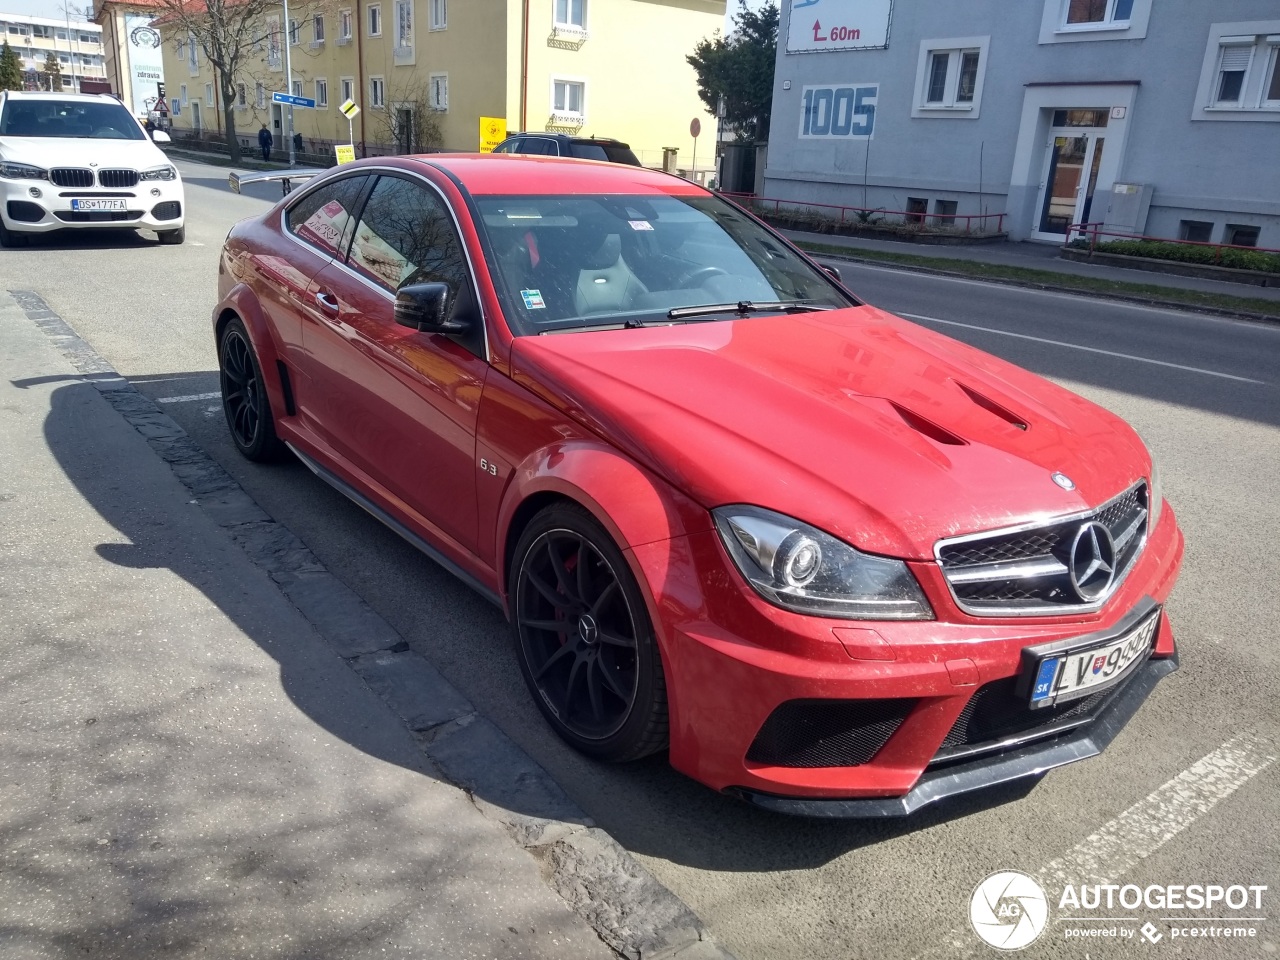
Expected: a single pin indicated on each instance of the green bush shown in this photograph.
(1190, 253)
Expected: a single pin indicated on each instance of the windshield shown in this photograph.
(69, 118)
(573, 262)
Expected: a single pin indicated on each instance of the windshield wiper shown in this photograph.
(744, 307)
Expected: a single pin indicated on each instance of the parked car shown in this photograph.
(562, 145)
(835, 563)
(82, 162)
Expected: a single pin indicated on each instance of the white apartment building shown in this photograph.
(78, 47)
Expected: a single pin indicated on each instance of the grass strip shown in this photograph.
(1051, 278)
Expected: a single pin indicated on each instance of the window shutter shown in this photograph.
(1236, 58)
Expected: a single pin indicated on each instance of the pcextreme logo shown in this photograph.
(1009, 910)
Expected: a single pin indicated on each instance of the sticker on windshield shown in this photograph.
(533, 300)
(640, 224)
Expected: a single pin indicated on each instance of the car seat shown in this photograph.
(605, 282)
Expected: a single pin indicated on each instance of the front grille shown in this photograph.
(1026, 571)
(115, 179)
(827, 733)
(71, 177)
(25, 211)
(98, 216)
(995, 714)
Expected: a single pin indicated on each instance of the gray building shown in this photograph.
(1158, 117)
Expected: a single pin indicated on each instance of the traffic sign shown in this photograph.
(348, 109)
(695, 127)
(292, 100)
(493, 130)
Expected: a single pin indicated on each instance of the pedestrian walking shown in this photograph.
(265, 141)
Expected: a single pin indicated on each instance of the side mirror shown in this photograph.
(832, 272)
(425, 307)
(159, 136)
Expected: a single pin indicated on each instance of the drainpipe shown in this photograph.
(358, 29)
(524, 69)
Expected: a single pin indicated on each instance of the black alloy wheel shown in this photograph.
(244, 396)
(586, 645)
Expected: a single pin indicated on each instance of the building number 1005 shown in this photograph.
(848, 112)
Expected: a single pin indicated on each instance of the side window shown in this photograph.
(406, 235)
(541, 146)
(323, 218)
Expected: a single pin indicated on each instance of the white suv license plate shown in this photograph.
(1065, 677)
(98, 205)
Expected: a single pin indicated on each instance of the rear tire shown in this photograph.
(586, 645)
(172, 237)
(244, 397)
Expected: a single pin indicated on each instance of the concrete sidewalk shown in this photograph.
(186, 767)
(1036, 256)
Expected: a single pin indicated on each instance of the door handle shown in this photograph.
(327, 302)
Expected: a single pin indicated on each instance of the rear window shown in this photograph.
(614, 153)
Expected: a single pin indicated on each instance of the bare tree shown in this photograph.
(228, 32)
(410, 123)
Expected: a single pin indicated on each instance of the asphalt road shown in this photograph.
(1204, 392)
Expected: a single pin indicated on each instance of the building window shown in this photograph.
(241, 94)
(944, 212)
(1072, 21)
(208, 94)
(348, 89)
(293, 32)
(568, 98)
(375, 20)
(571, 13)
(1081, 13)
(1197, 231)
(438, 15)
(1240, 75)
(404, 24)
(260, 95)
(273, 42)
(193, 54)
(1239, 235)
(344, 25)
(317, 27)
(377, 93)
(917, 207)
(296, 88)
(438, 91)
(949, 77)
(322, 93)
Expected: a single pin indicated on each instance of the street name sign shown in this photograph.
(292, 100)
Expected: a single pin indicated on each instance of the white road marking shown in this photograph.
(1165, 812)
(195, 243)
(1115, 847)
(1077, 346)
(189, 398)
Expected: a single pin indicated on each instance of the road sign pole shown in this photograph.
(288, 73)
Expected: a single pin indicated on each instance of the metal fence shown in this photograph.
(863, 217)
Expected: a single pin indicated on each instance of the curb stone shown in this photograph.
(628, 908)
(1048, 287)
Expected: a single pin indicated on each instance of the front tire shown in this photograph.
(244, 397)
(583, 635)
(172, 237)
(11, 238)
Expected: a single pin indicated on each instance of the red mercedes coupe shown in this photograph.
(835, 563)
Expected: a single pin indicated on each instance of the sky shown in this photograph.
(52, 9)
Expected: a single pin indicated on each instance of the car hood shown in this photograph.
(69, 152)
(874, 429)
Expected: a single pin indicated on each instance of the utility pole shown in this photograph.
(288, 73)
(66, 14)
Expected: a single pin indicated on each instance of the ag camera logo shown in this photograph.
(1009, 910)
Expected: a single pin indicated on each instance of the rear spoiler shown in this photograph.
(286, 177)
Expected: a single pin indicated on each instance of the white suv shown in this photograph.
(72, 161)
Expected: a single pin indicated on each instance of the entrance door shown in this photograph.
(195, 116)
(1073, 158)
(277, 122)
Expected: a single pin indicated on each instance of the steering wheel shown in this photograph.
(104, 132)
(696, 278)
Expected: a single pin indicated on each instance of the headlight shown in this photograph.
(800, 568)
(159, 173)
(22, 171)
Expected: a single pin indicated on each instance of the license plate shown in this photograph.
(1068, 675)
(98, 205)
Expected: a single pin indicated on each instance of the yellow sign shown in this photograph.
(348, 109)
(493, 130)
(345, 152)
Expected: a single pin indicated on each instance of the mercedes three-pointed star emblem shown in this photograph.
(1093, 561)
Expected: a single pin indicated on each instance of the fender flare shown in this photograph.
(241, 302)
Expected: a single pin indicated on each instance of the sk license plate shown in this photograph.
(98, 205)
(1066, 676)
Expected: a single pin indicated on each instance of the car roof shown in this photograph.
(501, 173)
(610, 141)
(46, 95)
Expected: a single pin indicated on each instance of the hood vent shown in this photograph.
(927, 427)
(992, 407)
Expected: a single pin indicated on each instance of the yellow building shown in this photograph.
(425, 71)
